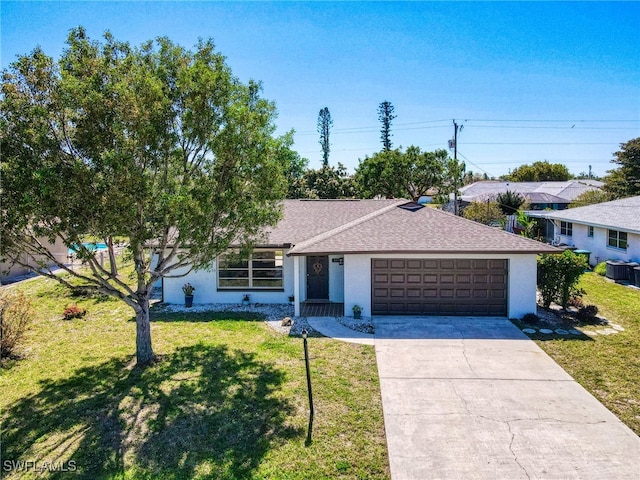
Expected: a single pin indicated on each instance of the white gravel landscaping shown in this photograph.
(274, 316)
(364, 324)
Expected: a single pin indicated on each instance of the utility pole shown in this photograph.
(455, 161)
(455, 140)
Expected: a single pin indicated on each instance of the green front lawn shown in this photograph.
(227, 400)
(607, 366)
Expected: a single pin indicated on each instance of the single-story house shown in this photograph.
(539, 195)
(387, 256)
(609, 230)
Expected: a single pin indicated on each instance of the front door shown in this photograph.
(318, 278)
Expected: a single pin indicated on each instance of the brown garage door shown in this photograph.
(439, 287)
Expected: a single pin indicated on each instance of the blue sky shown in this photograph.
(528, 81)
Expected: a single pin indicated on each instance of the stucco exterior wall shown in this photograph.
(206, 284)
(351, 283)
(600, 250)
(336, 279)
(521, 289)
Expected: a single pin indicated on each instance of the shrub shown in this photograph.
(74, 311)
(601, 268)
(588, 312)
(558, 277)
(15, 316)
(530, 318)
(510, 202)
(576, 301)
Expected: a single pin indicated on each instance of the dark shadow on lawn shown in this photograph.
(202, 405)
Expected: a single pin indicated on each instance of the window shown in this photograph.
(617, 239)
(590, 232)
(263, 270)
(566, 229)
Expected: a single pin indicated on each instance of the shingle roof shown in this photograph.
(304, 219)
(370, 226)
(621, 214)
(538, 197)
(568, 190)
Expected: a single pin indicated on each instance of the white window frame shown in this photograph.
(617, 240)
(566, 229)
(279, 258)
(590, 231)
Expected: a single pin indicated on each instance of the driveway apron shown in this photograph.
(474, 398)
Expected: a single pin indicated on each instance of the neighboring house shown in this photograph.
(609, 230)
(539, 195)
(9, 269)
(387, 256)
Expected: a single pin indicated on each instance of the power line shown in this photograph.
(514, 127)
(537, 143)
(427, 124)
(555, 121)
(475, 165)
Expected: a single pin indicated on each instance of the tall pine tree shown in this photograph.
(324, 126)
(386, 116)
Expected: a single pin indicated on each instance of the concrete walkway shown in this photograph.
(474, 398)
(329, 327)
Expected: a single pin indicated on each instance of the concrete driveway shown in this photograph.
(474, 398)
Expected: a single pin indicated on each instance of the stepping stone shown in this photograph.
(528, 330)
(615, 326)
(573, 331)
(610, 331)
(545, 330)
(561, 331)
(590, 333)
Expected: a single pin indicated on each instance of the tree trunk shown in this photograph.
(144, 350)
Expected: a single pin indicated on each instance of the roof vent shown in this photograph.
(411, 206)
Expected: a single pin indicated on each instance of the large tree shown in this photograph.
(157, 144)
(386, 116)
(625, 180)
(539, 172)
(328, 183)
(488, 212)
(295, 167)
(324, 129)
(398, 174)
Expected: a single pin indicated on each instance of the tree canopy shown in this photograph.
(539, 172)
(624, 181)
(398, 174)
(488, 212)
(327, 183)
(590, 197)
(157, 143)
